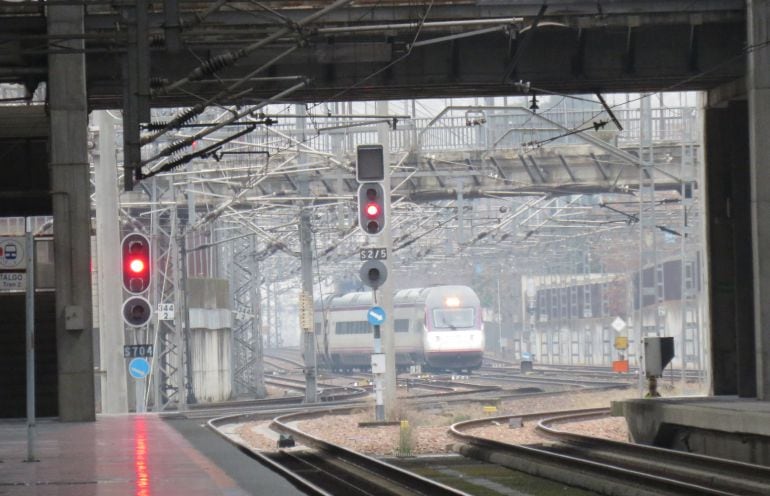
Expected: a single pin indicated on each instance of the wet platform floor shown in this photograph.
(141, 455)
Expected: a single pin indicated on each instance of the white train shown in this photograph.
(437, 327)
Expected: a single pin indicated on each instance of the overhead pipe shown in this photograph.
(408, 26)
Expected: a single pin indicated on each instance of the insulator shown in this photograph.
(187, 116)
(176, 146)
(157, 40)
(214, 64)
(158, 82)
(155, 126)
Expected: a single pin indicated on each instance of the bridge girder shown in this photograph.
(366, 51)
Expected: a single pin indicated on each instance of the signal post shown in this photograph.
(136, 263)
(373, 219)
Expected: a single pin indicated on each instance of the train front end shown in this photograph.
(453, 337)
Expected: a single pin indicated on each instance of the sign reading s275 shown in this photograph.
(373, 254)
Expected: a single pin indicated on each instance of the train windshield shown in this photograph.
(453, 318)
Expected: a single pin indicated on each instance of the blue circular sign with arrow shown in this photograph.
(139, 368)
(376, 316)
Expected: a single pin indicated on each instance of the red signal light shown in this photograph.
(372, 210)
(136, 265)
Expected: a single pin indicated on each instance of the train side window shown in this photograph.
(352, 327)
(401, 325)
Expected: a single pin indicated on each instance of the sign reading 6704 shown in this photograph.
(373, 254)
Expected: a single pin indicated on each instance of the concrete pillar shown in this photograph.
(70, 189)
(730, 257)
(306, 263)
(111, 336)
(390, 398)
(758, 86)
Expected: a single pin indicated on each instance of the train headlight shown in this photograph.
(452, 301)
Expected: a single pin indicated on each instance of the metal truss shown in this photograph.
(650, 288)
(690, 241)
(167, 335)
(245, 282)
(473, 186)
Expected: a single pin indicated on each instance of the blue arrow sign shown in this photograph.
(139, 368)
(376, 316)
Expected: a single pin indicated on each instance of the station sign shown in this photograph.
(13, 281)
(12, 253)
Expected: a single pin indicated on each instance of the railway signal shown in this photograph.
(371, 208)
(136, 279)
(136, 263)
(370, 163)
(373, 273)
(136, 311)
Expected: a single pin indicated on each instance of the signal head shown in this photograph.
(373, 273)
(136, 311)
(371, 208)
(136, 263)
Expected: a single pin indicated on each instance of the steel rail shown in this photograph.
(728, 475)
(575, 470)
(413, 483)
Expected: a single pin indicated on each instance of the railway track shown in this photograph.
(324, 468)
(613, 468)
(492, 364)
(283, 363)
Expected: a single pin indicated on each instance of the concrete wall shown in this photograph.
(592, 341)
(210, 339)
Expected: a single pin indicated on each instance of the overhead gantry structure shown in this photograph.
(242, 56)
(475, 188)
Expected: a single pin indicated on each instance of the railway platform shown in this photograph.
(138, 455)
(721, 426)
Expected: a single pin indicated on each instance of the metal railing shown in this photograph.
(479, 129)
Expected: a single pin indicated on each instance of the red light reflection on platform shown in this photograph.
(141, 455)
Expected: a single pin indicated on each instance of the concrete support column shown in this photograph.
(70, 189)
(730, 258)
(758, 86)
(111, 336)
(306, 263)
(390, 397)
